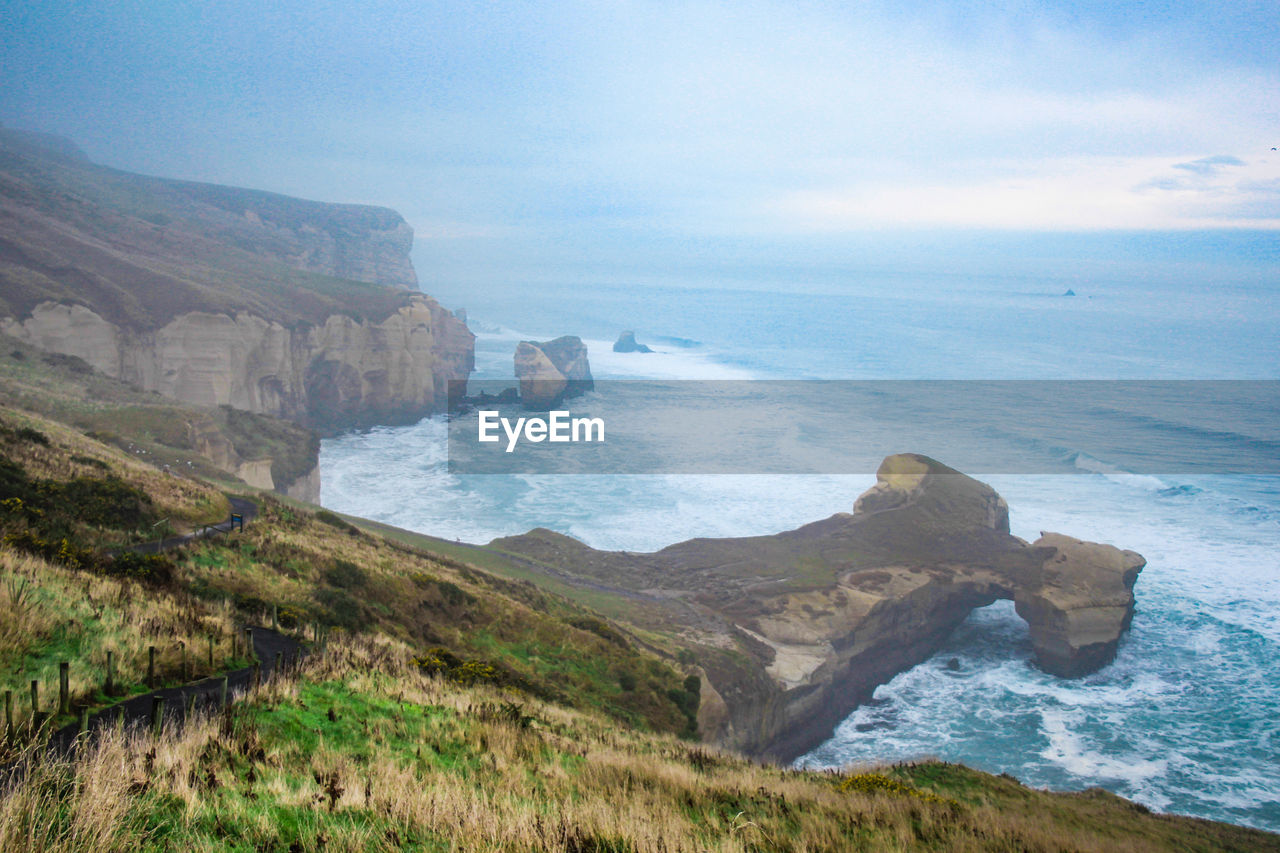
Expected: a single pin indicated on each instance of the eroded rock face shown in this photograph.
(796, 629)
(551, 371)
(343, 373)
(1081, 606)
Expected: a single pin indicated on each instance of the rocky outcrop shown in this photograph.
(796, 629)
(341, 373)
(627, 342)
(551, 371)
(1081, 606)
(211, 440)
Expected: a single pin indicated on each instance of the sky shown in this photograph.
(525, 141)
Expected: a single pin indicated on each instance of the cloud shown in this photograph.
(1209, 165)
(1066, 194)
(658, 124)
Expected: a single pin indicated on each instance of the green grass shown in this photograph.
(363, 753)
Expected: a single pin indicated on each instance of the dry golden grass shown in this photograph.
(412, 762)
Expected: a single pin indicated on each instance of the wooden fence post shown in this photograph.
(157, 715)
(35, 706)
(64, 688)
(84, 721)
(110, 687)
(222, 694)
(279, 661)
(249, 650)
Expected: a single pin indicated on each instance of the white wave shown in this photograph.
(1069, 750)
(673, 363)
(1147, 482)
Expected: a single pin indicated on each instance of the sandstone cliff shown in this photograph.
(795, 630)
(265, 452)
(219, 295)
(344, 372)
(552, 371)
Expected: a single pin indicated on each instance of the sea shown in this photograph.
(1187, 718)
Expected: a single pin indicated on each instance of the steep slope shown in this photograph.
(219, 295)
(211, 441)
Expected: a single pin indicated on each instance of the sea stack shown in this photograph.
(627, 343)
(550, 372)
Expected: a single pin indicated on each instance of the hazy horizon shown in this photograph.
(758, 142)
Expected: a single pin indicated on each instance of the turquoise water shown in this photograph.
(1186, 720)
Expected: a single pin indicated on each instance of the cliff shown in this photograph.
(796, 629)
(219, 295)
(211, 441)
(341, 373)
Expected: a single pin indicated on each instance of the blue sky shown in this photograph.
(549, 139)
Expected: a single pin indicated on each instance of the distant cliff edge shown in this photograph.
(221, 296)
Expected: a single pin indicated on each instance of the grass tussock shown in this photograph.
(367, 752)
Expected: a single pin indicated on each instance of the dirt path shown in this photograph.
(246, 508)
(205, 693)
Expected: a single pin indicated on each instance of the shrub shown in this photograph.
(343, 611)
(34, 436)
(100, 501)
(441, 661)
(149, 568)
(333, 520)
(346, 575)
(453, 594)
(60, 551)
(878, 783)
(72, 363)
(600, 628)
(510, 713)
(289, 618)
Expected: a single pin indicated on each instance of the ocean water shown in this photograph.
(1188, 717)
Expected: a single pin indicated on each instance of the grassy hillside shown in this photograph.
(71, 498)
(365, 751)
(452, 709)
